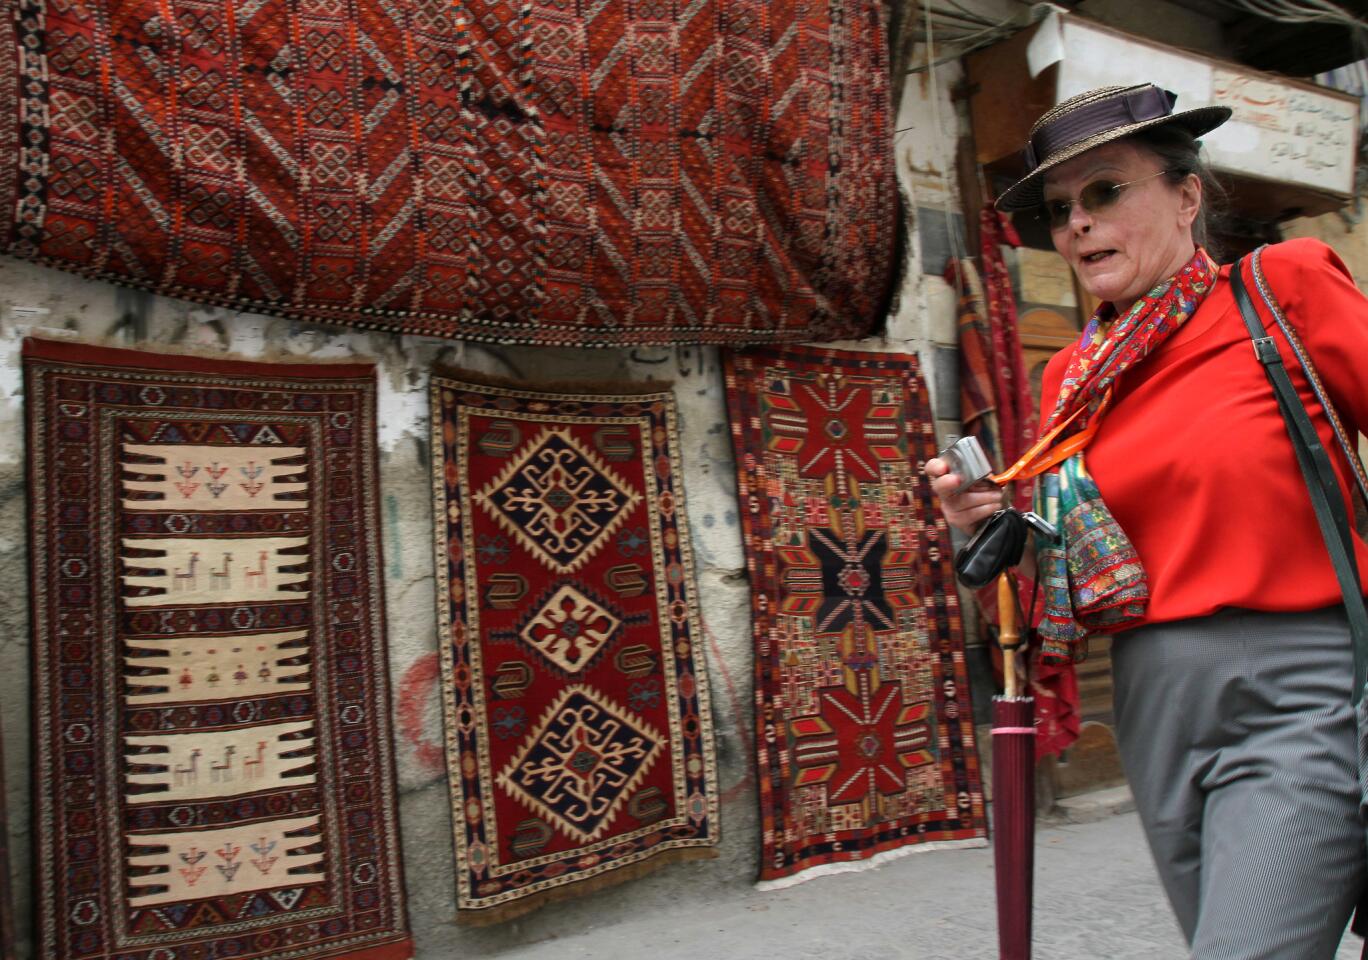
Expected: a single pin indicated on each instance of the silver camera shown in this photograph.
(968, 461)
(1041, 526)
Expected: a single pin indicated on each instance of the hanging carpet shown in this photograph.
(212, 754)
(579, 738)
(606, 174)
(864, 729)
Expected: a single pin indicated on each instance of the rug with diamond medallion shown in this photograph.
(864, 729)
(579, 739)
(212, 727)
(718, 171)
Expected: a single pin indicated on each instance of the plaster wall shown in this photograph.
(1349, 237)
(34, 299)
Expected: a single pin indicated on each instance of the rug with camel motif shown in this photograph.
(213, 765)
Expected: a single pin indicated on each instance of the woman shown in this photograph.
(1232, 659)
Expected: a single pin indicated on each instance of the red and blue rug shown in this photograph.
(864, 729)
(579, 736)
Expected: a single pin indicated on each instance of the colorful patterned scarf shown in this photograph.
(1092, 578)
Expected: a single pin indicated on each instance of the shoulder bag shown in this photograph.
(1332, 513)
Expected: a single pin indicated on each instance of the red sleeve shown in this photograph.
(1330, 314)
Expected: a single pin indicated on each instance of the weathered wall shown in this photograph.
(1348, 235)
(34, 299)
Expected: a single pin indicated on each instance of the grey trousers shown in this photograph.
(1239, 741)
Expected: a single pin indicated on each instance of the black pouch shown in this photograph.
(995, 546)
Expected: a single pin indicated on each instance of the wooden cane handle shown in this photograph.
(1009, 637)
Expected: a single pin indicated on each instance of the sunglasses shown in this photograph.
(1094, 198)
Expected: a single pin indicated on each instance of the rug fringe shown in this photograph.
(625, 388)
(872, 863)
(633, 871)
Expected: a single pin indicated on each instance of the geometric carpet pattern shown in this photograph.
(865, 735)
(578, 729)
(213, 765)
(662, 171)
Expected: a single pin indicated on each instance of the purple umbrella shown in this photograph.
(1013, 789)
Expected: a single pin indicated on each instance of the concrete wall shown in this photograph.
(33, 299)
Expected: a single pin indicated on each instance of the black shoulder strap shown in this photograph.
(1331, 511)
(1347, 445)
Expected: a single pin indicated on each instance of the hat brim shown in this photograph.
(1029, 190)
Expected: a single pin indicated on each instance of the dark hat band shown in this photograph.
(1147, 103)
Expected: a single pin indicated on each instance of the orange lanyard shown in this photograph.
(1042, 456)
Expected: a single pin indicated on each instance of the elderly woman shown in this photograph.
(1232, 658)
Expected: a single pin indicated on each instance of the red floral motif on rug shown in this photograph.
(579, 736)
(601, 174)
(212, 739)
(865, 737)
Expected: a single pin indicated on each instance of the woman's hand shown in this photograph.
(963, 511)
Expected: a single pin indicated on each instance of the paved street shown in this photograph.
(1096, 897)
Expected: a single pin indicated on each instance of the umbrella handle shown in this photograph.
(1009, 637)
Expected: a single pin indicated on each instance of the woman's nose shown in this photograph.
(1080, 220)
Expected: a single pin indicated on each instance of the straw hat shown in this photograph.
(1092, 119)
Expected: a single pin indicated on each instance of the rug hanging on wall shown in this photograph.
(864, 729)
(212, 735)
(579, 738)
(612, 174)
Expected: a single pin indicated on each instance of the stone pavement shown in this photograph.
(1096, 897)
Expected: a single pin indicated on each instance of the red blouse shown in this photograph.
(1193, 458)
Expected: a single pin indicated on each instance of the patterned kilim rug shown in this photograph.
(579, 736)
(599, 173)
(213, 769)
(865, 734)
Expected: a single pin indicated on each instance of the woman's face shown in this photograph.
(1120, 251)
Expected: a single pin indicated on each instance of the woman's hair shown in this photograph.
(1180, 154)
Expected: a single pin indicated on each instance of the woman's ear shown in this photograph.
(1190, 199)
